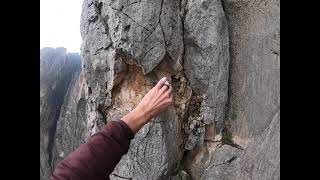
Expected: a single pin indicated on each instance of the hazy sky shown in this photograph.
(60, 24)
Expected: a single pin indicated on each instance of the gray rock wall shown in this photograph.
(254, 104)
(128, 46)
(251, 148)
(223, 60)
(255, 68)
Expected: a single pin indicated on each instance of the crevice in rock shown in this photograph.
(223, 6)
(194, 125)
(150, 31)
(227, 138)
(103, 48)
(120, 10)
(143, 56)
(133, 3)
(194, 102)
(124, 7)
(184, 117)
(97, 7)
(104, 21)
(102, 110)
(159, 22)
(116, 175)
(89, 90)
(226, 162)
(183, 10)
(181, 163)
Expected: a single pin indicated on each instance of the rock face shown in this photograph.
(130, 45)
(71, 125)
(254, 102)
(223, 60)
(57, 68)
(253, 117)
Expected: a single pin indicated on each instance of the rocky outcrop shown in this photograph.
(57, 68)
(128, 46)
(260, 159)
(71, 125)
(223, 60)
(251, 147)
(254, 96)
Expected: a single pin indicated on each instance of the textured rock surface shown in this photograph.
(56, 71)
(223, 60)
(254, 102)
(206, 60)
(128, 46)
(207, 54)
(71, 125)
(255, 68)
(259, 160)
(253, 116)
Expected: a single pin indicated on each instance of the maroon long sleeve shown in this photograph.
(97, 158)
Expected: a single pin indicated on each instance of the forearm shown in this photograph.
(136, 119)
(98, 157)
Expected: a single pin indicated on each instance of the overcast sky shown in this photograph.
(60, 24)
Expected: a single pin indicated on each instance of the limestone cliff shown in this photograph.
(57, 69)
(223, 59)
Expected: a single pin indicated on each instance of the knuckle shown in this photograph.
(163, 89)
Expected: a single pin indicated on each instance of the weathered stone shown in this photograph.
(259, 160)
(206, 60)
(253, 116)
(128, 46)
(72, 123)
(254, 29)
(254, 102)
(57, 68)
(222, 125)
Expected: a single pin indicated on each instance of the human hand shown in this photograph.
(152, 104)
(156, 100)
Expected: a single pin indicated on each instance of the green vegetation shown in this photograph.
(226, 137)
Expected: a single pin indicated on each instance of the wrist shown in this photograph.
(144, 115)
(136, 119)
